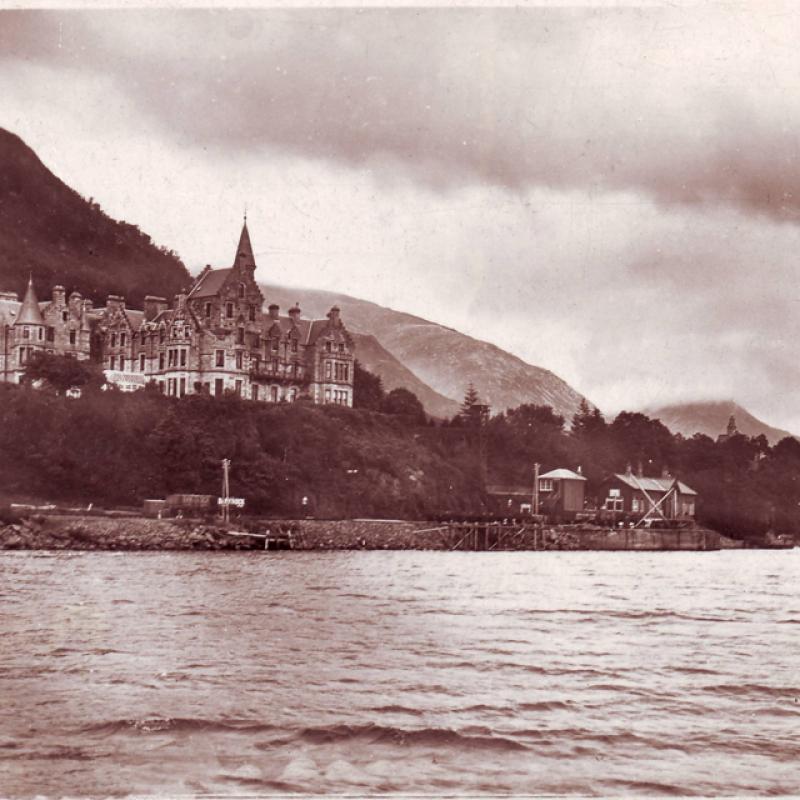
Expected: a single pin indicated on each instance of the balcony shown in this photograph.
(267, 374)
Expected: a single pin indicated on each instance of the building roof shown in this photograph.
(654, 484)
(29, 312)
(210, 282)
(563, 474)
(245, 250)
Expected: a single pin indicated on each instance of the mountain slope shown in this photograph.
(49, 230)
(377, 359)
(441, 357)
(711, 418)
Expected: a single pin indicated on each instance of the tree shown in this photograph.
(368, 389)
(402, 402)
(62, 373)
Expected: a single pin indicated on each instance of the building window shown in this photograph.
(546, 485)
(182, 389)
(51, 333)
(161, 361)
(290, 395)
(327, 395)
(122, 340)
(341, 347)
(26, 333)
(294, 345)
(219, 358)
(328, 370)
(238, 359)
(141, 362)
(229, 310)
(257, 342)
(113, 339)
(113, 362)
(275, 365)
(273, 394)
(161, 336)
(241, 290)
(64, 316)
(219, 387)
(274, 345)
(72, 337)
(255, 392)
(252, 313)
(255, 361)
(238, 388)
(122, 363)
(208, 309)
(240, 336)
(183, 358)
(329, 347)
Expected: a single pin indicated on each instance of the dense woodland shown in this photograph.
(382, 458)
(47, 229)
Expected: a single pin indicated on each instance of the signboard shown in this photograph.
(126, 381)
(238, 502)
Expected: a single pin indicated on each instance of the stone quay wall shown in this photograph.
(68, 532)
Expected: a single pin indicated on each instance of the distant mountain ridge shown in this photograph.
(711, 418)
(49, 230)
(442, 358)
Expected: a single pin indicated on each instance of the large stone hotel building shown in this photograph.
(215, 338)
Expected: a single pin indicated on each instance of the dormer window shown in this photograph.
(229, 310)
(275, 345)
(329, 347)
(341, 347)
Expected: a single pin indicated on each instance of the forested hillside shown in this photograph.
(48, 229)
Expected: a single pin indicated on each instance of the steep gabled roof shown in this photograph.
(210, 283)
(29, 312)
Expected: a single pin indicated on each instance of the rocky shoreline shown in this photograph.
(136, 533)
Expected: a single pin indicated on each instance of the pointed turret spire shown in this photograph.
(244, 252)
(29, 312)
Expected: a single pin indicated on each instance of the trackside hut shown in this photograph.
(626, 493)
(562, 492)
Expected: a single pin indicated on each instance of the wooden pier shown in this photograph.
(514, 535)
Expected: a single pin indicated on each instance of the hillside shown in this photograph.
(377, 359)
(441, 357)
(711, 418)
(48, 229)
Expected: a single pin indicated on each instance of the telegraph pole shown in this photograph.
(536, 489)
(226, 490)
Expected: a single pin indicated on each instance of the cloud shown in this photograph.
(689, 106)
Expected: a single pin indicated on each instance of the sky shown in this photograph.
(610, 193)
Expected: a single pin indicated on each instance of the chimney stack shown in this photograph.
(639, 470)
(334, 315)
(153, 306)
(274, 308)
(59, 294)
(115, 301)
(294, 312)
(628, 470)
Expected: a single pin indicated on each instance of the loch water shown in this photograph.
(436, 673)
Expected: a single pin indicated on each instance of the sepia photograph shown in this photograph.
(399, 401)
